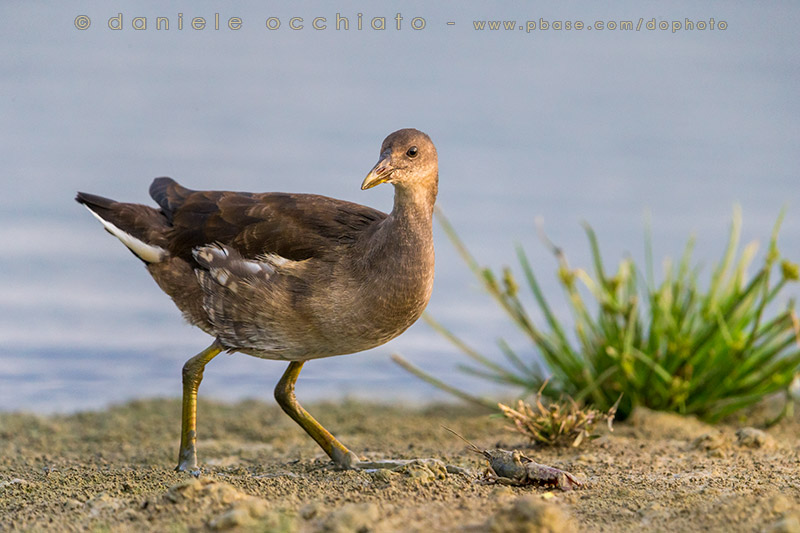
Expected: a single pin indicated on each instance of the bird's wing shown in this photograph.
(293, 226)
(248, 301)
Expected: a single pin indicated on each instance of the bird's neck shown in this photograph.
(408, 230)
(401, 262)
(414, 205)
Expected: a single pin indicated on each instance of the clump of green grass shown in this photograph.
(672, 345)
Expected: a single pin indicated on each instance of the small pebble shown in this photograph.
(352, 517)
(789, 524)
(529, 514)
(231, 519)
(502, 493)
(780, 504)
(310, 510)
(754, 438)
(384, 476)
(424, 471)
(710, 442)
(15, 481)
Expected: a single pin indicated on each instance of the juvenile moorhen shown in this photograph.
(288, 276)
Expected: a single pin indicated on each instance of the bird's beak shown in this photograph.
(380, 173)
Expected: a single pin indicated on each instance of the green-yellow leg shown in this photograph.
(192, 376)
(284, 394)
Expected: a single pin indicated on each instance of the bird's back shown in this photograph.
(293, 226)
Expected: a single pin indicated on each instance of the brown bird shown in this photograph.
(288, 276)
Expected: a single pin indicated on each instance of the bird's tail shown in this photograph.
(139, 227)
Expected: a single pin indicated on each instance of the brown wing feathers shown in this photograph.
(294, 226)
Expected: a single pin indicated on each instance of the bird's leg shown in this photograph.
(284, 394)
(192, 376)
(341, 456)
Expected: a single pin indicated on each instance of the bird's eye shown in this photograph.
(412, 152)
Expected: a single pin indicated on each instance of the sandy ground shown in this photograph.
(112, 471)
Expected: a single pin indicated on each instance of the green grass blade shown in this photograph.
(486, 404)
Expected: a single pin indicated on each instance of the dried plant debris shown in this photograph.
(558, 422)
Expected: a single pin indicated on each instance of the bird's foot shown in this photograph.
(187, 462)
(344, 459)
(438, 467)
(193, 470)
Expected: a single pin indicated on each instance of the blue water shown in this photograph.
(602, 126)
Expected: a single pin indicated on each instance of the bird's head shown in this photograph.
(408, 160)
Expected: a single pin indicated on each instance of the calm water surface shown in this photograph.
(600, 126)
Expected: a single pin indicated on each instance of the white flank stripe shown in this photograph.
(148, 252)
